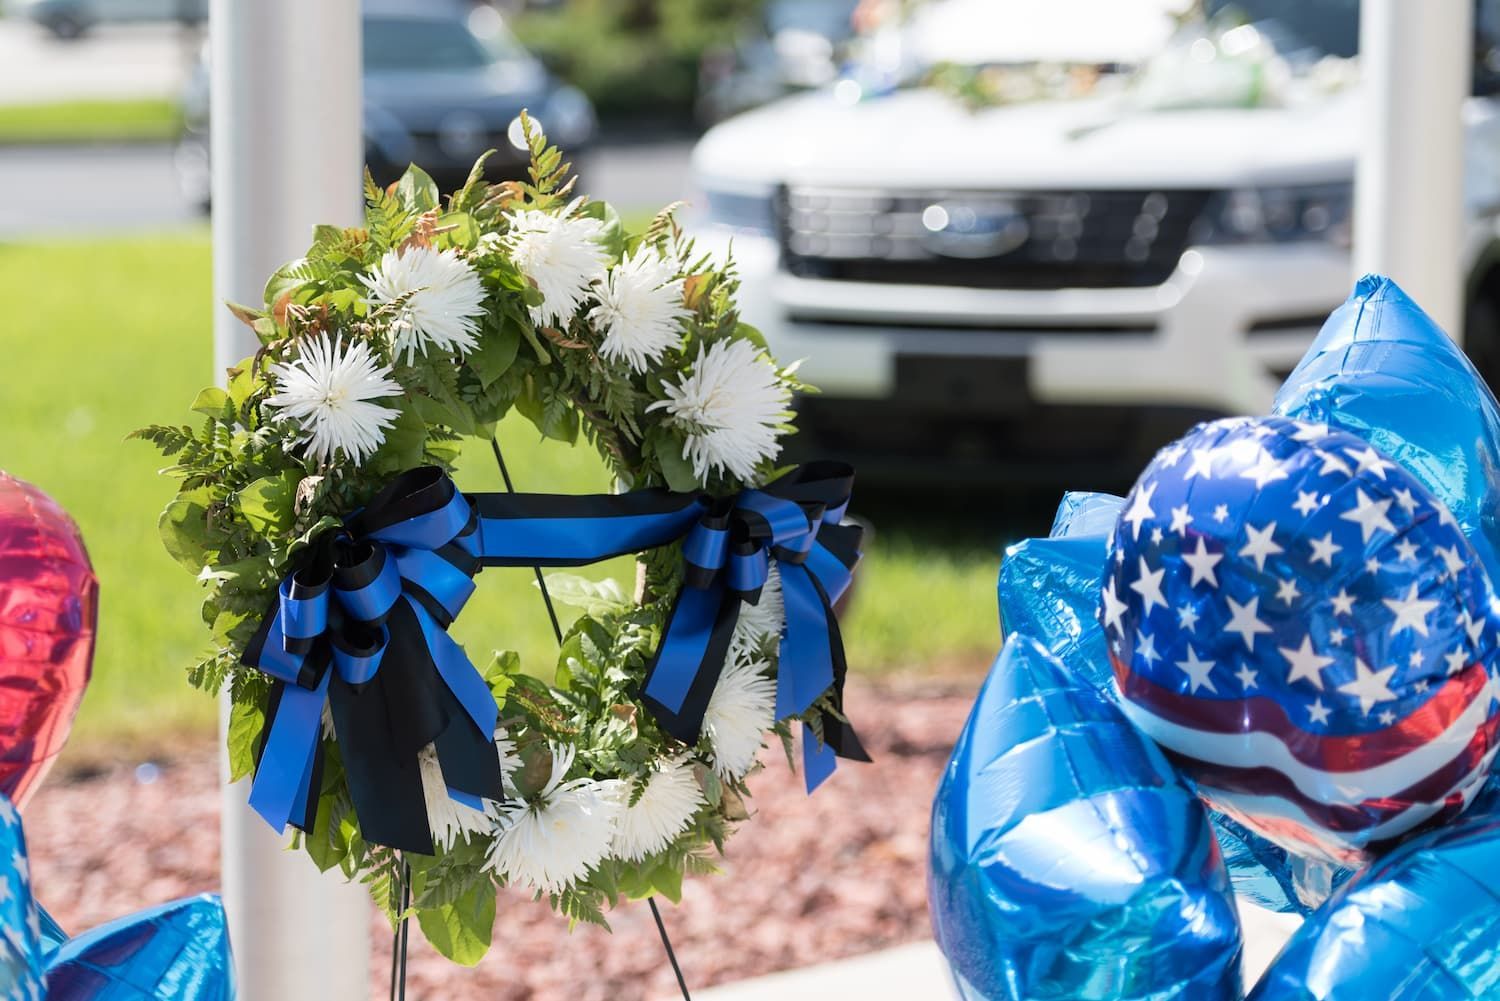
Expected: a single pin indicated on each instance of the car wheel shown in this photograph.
(66, 27)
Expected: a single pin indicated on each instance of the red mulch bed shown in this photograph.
(806, 880)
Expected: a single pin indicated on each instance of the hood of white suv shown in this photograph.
(926, 139)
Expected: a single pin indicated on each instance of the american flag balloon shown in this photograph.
(1306, 632)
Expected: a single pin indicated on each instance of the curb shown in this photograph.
(918, 970)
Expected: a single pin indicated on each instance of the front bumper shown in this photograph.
(1218, 336)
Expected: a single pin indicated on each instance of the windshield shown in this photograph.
(1328, 27)
(829, 18)
(422, 44)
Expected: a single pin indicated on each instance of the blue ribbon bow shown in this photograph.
(727, 555)
(361, 628)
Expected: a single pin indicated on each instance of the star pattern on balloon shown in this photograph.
(1306, 619)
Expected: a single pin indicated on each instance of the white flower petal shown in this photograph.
(759, 622)
(553, 841)
(640, 309)
(441, 295)
(666, 806)
(561, 255)
(326, 390)
(449, 818)
(733, 402)
(740, 711)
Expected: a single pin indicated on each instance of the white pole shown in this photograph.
(1415, 58)
(287, 150)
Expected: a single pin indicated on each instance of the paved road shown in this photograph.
(116, 61)
(81, 191)
(78, 191)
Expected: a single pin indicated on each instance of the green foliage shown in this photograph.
(454, 900)
(635, 58)
(246, 720)
(594, 598)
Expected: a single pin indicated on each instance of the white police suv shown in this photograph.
(1050, 283)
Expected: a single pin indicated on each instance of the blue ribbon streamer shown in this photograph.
(400, 570)
(728, 545)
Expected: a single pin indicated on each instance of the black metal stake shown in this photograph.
(402, 936)
(541, 582)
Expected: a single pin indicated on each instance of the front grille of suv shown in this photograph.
(986, 239)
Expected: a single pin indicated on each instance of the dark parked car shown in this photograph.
(69, 19)
(441, 86)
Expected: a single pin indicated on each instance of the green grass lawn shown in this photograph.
(105, 336)
(125, 120)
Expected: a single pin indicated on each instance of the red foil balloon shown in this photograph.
(49, 603)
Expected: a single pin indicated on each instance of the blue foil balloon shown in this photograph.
(175, 952)
(1081, 513)
(1299, 622)
(1381, 369)
(1421, 924)
(1049, 590)
(1068, 860)
(20, 922)
(52, 934)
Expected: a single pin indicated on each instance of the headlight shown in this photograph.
(1291, 214)
(739, 210)
(569, 116)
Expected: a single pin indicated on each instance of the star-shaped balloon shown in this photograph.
(176, 952)
(1049, 588)
(1421, 924)
(1382, 370)
(1068, 860)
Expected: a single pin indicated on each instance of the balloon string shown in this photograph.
(541, 582)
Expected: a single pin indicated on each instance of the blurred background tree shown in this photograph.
(636, 59)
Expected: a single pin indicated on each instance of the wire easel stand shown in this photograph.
(403, 933)
(541, 582)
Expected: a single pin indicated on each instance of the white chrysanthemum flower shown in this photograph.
(560, 253)
(759, 622)
(565, 831)
(449, 818)
(732, 402)
(640, 309)
(327, 389)
(665, 808)
(440, 296)
(740, 711)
